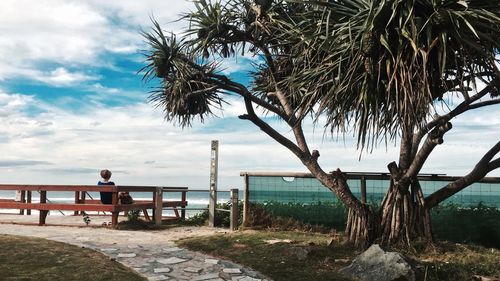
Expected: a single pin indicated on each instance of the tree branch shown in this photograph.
(434, 138)
(483, 167)
(484, 103)
(229, 85)
(300, 138)
(495, 164)
(251, 116)
(461, 108)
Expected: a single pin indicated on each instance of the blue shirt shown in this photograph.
(106, 197)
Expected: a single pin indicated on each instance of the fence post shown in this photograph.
(246, 199)
(233, 225)
(214, 155)
(28, 200)
(43, 213)
(183, 208)
(23, 200)
(362, 187)
(158, 205)
(77, 201)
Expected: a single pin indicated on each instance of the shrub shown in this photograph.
(477, 225)
(222, 219)
(133, 215)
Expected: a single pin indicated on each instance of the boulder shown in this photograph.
(376, 264)
(299, 252)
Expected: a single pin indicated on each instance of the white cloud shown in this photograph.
(71, 32)
(62, 77)
(59, 146)
(11, 104)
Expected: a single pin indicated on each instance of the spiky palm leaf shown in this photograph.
(188, 89)
(380, 65)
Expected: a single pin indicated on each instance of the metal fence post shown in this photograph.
(362, 187)
(234, 210)
(246, 200)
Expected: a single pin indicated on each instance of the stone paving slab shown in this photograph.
(171, 260)
(152, 254)
(162, 270)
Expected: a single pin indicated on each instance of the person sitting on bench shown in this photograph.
(106, 197)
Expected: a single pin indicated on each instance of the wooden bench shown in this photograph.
(81, 204)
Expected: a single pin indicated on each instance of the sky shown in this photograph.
(72, 103)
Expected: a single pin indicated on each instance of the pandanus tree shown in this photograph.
(379, 68)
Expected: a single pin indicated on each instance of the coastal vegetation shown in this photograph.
(474, 225)
(387, 71)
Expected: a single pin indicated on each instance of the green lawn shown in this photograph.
(23, 258)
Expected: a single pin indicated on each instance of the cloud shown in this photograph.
(136, 144)
(60, 77)
(239, 65)
(69, 171)
(18, 163)
(72, 33)
(11, 104)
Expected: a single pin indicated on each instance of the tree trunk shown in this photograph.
(402, 218)
(404, 215)
(361, 225)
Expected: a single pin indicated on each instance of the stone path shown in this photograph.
(152, 254)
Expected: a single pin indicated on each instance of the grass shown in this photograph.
(455, 262)
(278, 261)
(442, 261)
(23, 258)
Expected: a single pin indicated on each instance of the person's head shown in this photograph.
(106, 174)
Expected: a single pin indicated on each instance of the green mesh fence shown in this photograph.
(263, 189)
(464, 217)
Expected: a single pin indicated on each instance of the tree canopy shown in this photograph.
(375, 66)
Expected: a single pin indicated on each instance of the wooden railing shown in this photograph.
(81, 204)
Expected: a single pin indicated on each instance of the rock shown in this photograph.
(172, 260)
(127, 255)
(158, 278)
(162, 270)
(108, 250)
(207, 276)
(274, 241)
(211, 261)
(377, 265)
(245, 278)
(192, 269)
(299, 252)
(232, 270)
